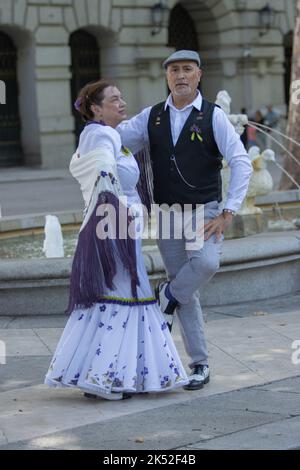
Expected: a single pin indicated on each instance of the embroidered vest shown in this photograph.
(190, 171)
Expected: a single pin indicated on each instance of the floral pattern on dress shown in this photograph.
(147, 362)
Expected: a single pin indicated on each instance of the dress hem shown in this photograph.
(91, 389)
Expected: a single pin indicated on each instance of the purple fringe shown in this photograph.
(95, 260)
(145, 184)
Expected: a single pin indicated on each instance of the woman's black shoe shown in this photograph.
(90, 395)
(126, 395)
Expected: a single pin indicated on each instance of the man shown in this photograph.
(271, 118)
(186, 170)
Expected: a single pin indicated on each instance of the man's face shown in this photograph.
(183, 78)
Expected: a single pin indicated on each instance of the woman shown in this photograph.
(116, 340)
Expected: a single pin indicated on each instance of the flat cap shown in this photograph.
(182, 55)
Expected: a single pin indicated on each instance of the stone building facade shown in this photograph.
(49, 48)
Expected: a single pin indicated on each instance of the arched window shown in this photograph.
(85, 67)
(182, 32)
(10, 126)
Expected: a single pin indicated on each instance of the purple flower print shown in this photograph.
(117, 383)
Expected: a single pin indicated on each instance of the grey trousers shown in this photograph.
(188, 271)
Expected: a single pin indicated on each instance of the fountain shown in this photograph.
(250, 218)
(282, 208)
(53, 246)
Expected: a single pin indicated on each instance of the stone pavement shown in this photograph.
(251, 402)
(36, 191)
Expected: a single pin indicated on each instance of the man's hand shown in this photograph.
(217, 226)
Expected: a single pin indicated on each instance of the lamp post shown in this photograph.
(266, 19)
(159, 16)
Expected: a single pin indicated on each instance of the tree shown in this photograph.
(293, 128)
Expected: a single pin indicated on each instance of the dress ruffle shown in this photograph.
(115, 348)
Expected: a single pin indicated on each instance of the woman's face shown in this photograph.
(113, 108)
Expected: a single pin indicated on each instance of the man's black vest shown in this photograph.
(190, 172)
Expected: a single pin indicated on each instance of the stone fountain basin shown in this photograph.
(253, 268)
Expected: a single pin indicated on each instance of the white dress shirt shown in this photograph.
(134, 135)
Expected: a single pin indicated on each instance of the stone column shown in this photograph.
(53, 89)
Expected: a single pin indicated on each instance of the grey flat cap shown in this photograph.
(182, 55)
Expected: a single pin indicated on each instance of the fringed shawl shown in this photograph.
(95, 259)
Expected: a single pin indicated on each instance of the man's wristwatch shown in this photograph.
(228, 211)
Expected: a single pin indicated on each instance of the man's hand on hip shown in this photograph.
(218, 226)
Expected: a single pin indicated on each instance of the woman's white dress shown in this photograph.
(121, 344)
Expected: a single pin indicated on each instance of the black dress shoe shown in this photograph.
(199, 377)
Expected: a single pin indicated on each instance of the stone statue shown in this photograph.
(239, 121)
(261, 181)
